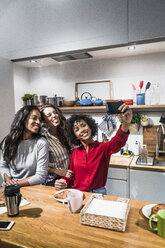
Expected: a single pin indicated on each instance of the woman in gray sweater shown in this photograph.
(25, 155)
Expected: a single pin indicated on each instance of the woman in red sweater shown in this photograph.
(90, 160)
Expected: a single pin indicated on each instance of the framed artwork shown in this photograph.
(97, 89)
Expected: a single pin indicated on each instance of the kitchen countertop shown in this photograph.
(120, 161)
(133, 165)
(46, 222)
(130, 162)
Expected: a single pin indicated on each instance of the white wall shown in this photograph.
(21, 85)
(122, 72)
(6, 96)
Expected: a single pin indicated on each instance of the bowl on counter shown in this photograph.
(144, 122)
(70, 103)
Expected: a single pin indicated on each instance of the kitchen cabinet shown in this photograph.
(146, 20)
(102, 109)
(68, 27)
(118, 182)
(147, 185)
(78, 25)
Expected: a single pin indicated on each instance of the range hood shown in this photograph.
(74, 56)
(54, 59)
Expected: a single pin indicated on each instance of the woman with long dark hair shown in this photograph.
(24, 159)
(59, 148)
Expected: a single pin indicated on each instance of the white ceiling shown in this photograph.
(150, 48)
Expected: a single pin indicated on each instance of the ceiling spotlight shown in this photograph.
(33, 61)
(131, 47)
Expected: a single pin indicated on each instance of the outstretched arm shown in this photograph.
(126, 116)
(119, 140)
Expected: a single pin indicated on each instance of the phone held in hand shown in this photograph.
(6, 225)
(112, 107)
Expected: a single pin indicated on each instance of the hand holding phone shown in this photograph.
(112, 107)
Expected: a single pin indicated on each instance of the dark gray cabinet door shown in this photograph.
(147, 185)
(117, 187)
(118, 182)
(46, 27)
(146, 19)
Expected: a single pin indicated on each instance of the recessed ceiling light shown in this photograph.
(131, 47)
(33, 61)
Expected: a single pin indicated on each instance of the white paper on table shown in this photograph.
(23, 203)
(107, 208)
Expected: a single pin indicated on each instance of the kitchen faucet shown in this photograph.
(157, 141)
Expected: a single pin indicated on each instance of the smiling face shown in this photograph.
(32, 123)
(82, 131)
(51, 117)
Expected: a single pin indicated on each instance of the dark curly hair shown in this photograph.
(70, 125)
(60, 129)
(9, 144)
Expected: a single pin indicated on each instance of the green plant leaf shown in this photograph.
(135, 118)
(28, 96)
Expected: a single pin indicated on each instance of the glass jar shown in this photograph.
(155, 94)
(144, 154)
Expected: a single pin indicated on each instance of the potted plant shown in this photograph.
(136, 118)
(135, 123)
(28, 99)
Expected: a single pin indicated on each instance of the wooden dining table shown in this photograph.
(47, 223)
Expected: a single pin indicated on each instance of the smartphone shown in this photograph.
(6, 225)
(112, 107)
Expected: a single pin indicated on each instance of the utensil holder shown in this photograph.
(140, 99)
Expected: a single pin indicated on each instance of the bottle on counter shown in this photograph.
(126, 152)
(137, 148)
(144, 154)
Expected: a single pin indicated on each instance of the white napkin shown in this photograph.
(107, 208)
(23, 203)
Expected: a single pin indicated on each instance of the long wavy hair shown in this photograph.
(60, 129)
(9, 144)
(69, 127)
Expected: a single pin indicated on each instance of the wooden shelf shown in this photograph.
(84, 109)
(102, 109)
(148, 108)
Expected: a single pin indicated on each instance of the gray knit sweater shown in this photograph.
(31, 161)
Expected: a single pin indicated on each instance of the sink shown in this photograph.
(150, 162)
(141, 161)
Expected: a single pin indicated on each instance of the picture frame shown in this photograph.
(98, 89)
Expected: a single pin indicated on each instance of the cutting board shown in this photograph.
(149, 138)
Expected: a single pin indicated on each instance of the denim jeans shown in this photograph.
(99, 191)
(51, 183)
